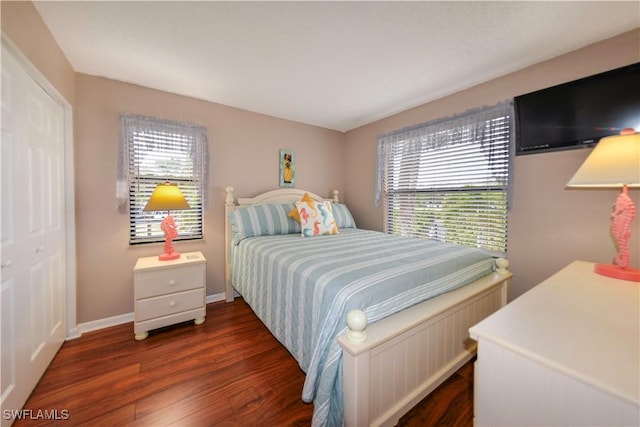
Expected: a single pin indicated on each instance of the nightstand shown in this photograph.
(168, 292)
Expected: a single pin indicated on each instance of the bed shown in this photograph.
(374, 336)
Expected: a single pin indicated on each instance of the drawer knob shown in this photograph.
(172, 304)
(173, 282)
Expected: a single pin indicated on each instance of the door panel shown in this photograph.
(8, 350)
(33, 274)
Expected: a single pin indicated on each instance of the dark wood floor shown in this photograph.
(229, 371)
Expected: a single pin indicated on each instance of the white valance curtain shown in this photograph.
(478, 125)
(168, 135)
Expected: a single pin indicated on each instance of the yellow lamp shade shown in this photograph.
(166, 197)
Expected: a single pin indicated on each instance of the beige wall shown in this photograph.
(243, 149)
(25, 28)
(549, 226)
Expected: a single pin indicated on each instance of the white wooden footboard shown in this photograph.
(408, 355)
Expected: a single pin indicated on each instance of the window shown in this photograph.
(153, 151)
(448, 180)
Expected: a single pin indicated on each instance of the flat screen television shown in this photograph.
(577, 114)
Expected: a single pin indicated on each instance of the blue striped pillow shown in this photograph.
(343, 216)
(262, 219)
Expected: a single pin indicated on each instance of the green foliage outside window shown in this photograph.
(470, 218)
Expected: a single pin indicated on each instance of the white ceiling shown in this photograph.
(337, 65)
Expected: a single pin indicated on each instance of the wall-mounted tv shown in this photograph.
(577, 114)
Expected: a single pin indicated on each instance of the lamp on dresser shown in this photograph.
(615, 163)
(167, 197)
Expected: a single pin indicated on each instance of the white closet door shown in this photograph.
(33, 276)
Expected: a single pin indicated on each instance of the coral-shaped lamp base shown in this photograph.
(617, 272)
(168, 226)
(623, 213)
(169, 257)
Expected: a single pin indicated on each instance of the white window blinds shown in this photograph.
(448, 180)
(153, 151)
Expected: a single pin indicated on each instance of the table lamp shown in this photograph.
(615, 163)
(167, 197)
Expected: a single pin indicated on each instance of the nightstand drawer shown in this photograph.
(150, 308)
(168, 281)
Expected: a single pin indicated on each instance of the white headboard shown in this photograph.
(277, 196)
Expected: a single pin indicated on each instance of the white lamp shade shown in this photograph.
(166, 197)
(613, 163)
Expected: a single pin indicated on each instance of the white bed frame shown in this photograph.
(394, 363)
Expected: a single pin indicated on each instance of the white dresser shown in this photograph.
(168, 292)
(566, 353)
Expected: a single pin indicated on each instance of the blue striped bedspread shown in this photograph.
(303, 287)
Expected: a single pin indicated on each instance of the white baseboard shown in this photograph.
(215, 298)
(119, 320)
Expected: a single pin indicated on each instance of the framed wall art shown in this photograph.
(287, 168)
